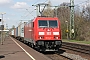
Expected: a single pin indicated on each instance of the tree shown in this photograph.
(86, 11)
(63, 14)
(82, 23)
(48, 11)
(13, 27)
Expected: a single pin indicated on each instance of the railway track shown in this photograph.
(62, 54)
(74, 47)
(85, 49)
(56, 56)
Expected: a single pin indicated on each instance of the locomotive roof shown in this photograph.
(45, 18)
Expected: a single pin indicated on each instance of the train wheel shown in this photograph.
(32, 45)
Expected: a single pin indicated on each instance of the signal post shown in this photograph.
(2, 28)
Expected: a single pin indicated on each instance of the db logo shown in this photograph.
(48, 33)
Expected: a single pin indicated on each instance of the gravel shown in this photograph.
(73, 56)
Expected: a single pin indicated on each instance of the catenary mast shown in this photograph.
(72, 31)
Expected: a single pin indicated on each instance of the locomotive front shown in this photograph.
(48, 34)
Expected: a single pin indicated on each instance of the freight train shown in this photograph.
(42, 33)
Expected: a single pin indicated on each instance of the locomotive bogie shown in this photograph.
(50, 45)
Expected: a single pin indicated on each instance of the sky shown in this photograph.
(16, 10)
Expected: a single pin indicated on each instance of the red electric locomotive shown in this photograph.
(43, 33)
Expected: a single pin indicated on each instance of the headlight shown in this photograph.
(56, 37)
(41, 33)
(41, 37)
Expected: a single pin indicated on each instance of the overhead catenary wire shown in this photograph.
(30, 13)
(82, 3)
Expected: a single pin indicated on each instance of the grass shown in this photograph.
(76, 41)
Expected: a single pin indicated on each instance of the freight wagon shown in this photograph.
(20, 31)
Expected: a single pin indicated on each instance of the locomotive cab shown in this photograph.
(43, 33)
(48, 34)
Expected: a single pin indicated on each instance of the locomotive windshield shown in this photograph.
(43, 23)
(48, 23)
(52, 23)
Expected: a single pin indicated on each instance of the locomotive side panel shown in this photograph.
(28, 32)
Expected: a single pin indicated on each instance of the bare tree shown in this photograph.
(88, 10)
(48, 11)
(82, 23)
(63, 14)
